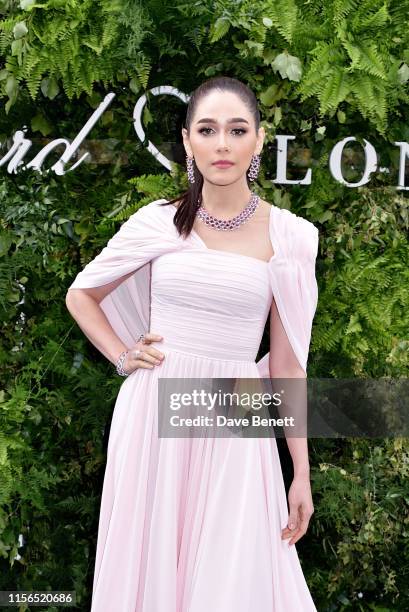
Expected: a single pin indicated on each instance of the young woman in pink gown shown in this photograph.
(201, 524)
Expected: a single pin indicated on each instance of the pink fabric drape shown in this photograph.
(150, 232)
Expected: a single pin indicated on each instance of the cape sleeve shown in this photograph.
(294, 285)
(148, 233)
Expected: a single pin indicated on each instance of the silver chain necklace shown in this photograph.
(229, 224)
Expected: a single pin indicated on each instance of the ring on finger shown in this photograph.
(137, 354)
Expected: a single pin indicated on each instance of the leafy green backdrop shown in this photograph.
(321, 71)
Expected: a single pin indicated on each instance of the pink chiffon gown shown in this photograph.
(192, 524)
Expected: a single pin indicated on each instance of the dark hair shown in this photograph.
(186, 212)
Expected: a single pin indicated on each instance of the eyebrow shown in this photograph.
(234, 120)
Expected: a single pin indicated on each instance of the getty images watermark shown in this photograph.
(283, 407)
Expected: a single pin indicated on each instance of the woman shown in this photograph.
(201, 524)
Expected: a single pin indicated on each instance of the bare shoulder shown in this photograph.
(290, 217)
(264, 209)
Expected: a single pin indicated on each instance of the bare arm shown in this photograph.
(284, 364)
(83, 305)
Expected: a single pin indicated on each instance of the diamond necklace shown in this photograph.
(229, 224)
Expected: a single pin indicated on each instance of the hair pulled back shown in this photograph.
(190, 199)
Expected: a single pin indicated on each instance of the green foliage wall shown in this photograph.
(321, 71)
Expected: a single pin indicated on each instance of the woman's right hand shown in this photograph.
(148, 358)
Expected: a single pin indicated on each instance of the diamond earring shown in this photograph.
(254, 167)
(190, 171)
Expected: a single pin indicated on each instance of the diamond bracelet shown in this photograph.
(121, 359)
(120, 364)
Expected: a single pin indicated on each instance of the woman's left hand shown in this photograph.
(301, 509)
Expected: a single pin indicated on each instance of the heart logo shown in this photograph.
(137, 116)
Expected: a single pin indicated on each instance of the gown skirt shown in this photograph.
(193, 524)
